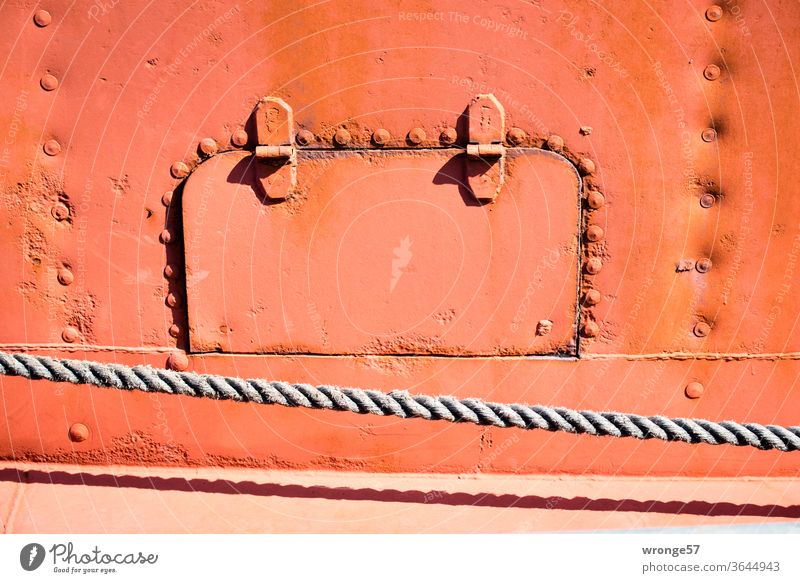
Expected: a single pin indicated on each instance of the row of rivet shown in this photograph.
(594, 200)
(60, 212)
(707, 200)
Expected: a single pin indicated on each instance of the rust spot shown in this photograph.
(407, 344)
(138, 447)
(80, 313)
(119, 186)
(389, 365)
(444, 316)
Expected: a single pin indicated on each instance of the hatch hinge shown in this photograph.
(276, 157)
(485, 151)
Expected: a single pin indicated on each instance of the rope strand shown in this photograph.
(400, 403)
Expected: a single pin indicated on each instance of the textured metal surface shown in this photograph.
(108, 107)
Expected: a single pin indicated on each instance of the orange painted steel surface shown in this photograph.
(688, 226)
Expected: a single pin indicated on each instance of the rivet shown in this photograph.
(416, 136)
(593, 265)
(166, 236)
(448, 136)
(586, 130)
(714, 13)
(592, 297)
(64, 276)
(694, 390)
(52, 148)
(701, 329)
(711, 72)
(544, 327)
(703, 265)
(174, 330)
(169, 271)
(49, 82)
(172, 300)
(178, 361)
(42, 18)
(166, 198)
(239, 138)
(342, 137)
(60, 211)
(595, 199)
(179, 169)
(709, 135)
(555, 142)
(380, 137)
(78, 432)
(594, 233)
(707, 201)
(304, 138)
(590, 329)
(70, 334)
(208, 146)
(586, 166)
(516, 136)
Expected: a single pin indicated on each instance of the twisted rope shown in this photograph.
(400, 403)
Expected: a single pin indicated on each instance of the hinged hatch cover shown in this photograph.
(382, 252)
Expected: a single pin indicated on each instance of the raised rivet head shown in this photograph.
(714, 13)
(707, 201)
(594, 233)
(42, 18)
(165, 236)
(169, 271)
(70, 334)
(592, 297)
(380, 137)
(166, 198)
(703, 265)
(694, 390)
(593, 265)
(178, 361)
(544, 327)
(416, 136)
(516, 136)
(590, 329)
(60, 211)
(702, 329)
(172, 300)
(709, 135)
(342, 137)
(51, 148)
(179, 169)
(207, 146)
(78, 432)
(595, 199)
(448, 136)
(239, 138)
(555, 143)
(586, 166)
(49, 82)
(174, 331)
(65, 276)
(711, 72)
(304, 138)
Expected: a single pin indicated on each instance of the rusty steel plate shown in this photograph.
(383, 252)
